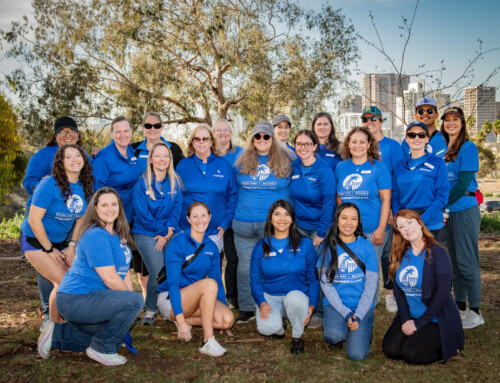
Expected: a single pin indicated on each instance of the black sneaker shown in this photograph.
(278, 336)
(245, 317)
(232, 303)
(335, 346)
(297, 346)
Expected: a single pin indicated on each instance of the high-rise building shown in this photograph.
(347, 122)
(351, 104)
(498, 110)
(382, 90)
(480, 103)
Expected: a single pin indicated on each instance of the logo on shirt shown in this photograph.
(346, 264)
(263, 172)
(428, 147)
(352, 182)
(126, 252)
(74, 204)
(409, 276)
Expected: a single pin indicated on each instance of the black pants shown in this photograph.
(422, 347)
(230, 275)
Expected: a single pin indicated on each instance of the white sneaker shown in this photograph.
(390, 303)
(212, 348)
(463, 314)
(106, 359)
(472, 320)
(45, 339)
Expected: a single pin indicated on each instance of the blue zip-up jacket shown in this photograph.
(217, 188)
(328, 156)
(206, 264)
(421, 183)
(153, 218)
(436, 146)
(313, 194)
(112, 169)
(233, 154)
(280, 273)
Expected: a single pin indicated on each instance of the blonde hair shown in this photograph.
(223, 121)
(152, 114)
(215, 144)
(172, 176)
(279, 159)
(373, 150)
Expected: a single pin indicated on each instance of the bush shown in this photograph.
(488, 194)
(490, 223)
(11, 228)
(497, 195)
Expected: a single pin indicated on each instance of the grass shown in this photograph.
(490, 223)
(10, 228)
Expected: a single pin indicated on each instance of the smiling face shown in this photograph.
(417, 143)
(452, 125)
(222, 133)
(262, 146)
(199, 218)
(282, 131)
(202, 143)
(281, 221)
(107, 209)
(304, 147)
(347, 223)
(375, 127)
(358, 145)
(122, 134)
(322, 128)
(160, 159)
(153, 134)
(72, 161)
(66, 136)
(409, 228)
(427, 118)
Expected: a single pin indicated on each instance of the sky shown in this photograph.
(443, 30)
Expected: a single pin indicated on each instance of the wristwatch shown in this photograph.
(72, 243)
(49, 250)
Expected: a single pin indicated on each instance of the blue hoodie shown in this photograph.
(217, 188)
(153, 218)
(283, 271)
(112, 169)
(206, 264)
(313, 194)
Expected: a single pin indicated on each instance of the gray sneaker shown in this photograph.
(212, 348)
(390, 303)
(149, 318)
(106, 359)
(45, 339)
(315, 322)
(463, 314)
(472, 320)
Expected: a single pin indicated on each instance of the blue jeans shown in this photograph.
(99, 319)
(293, 306)
(44, 288)
(246, 236)
(357, 343)
(384, 262)
(378, 252)
(154, 261)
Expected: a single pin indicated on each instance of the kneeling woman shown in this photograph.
(427, 326)
(96, 296)
(193, 294)
(283, 276)
(348, 270)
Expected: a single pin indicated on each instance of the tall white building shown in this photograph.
(480, 103)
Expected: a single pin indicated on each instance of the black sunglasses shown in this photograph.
(259, 136)
(414, 135)
(149, 126)
(371, 118)
(429, 111)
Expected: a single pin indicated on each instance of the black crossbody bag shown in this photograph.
(162, 275)
(353, 256)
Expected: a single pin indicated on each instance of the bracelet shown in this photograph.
(49, 250)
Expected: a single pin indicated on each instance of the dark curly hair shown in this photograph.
(373, 149)
(86, 178)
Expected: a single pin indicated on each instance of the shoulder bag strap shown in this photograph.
(196, 253)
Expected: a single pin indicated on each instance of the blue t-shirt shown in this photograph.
(409, 279)
(349, 281)
(466, 161)
(257, 193)
(390, 153)
(360, 184)
(283, 271)
(97, 248)
(328, 156)
(233, 154)
(61, 213)
(436, 146)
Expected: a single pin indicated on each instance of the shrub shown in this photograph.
(490, 223)
(11, 228)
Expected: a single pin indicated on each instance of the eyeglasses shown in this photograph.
(201, 139)
(371, 118)
(304, 144)
(413, 135)
(70, 133)
(264, 137)
(226, 130)
(429, 111)
(149, 126)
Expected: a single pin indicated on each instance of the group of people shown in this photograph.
(303, 227)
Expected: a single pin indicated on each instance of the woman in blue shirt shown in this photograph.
(193, 294)
(283, 276)
(461, 232)
(427, 326)
(329, 148)
(312, 188)
(59, 202)
(157, 208)
(348, 269)
(263, 176)
(96, 296)
(420, 182)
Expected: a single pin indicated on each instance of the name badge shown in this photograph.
(133, 159)
(295, 177)
(429, 165)
(366, 171)
(143, 156)
(189, 257)
(329, 155)
(272, 254)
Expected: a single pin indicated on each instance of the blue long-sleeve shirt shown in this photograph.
(233, 154)
(112, 169)
(436, 146)
(421, 183)
(313, 193)
(283, 271)
(206, 264)
(153, 218)
(328, 156)
(213, 184)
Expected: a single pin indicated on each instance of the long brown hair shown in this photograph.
(452, 152)
(91, 218)
(172, 176)
(332, 142)
(85, 177)
(400, 245)
(373, 149)
(214, 148)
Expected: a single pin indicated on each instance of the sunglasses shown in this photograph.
(429, 111)
(371, 118)
(413, 135)
(149, 126)
(201, 139)
(259, 136)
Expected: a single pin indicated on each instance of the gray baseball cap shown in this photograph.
(281, 118)
(263, 127)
